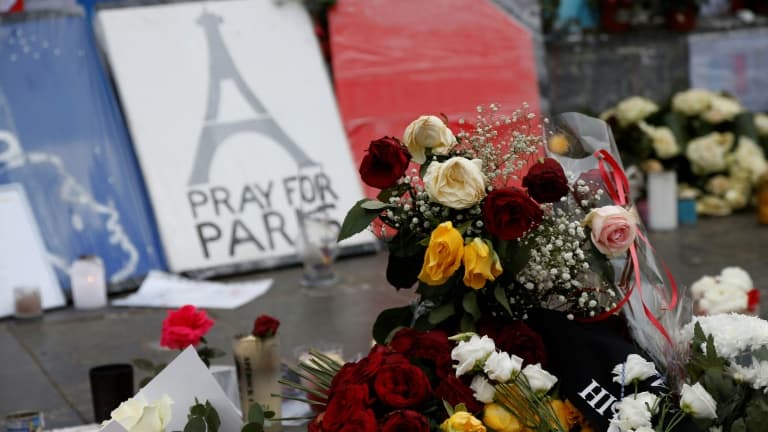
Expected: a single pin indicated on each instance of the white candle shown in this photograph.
(89, 288)
(662, 200)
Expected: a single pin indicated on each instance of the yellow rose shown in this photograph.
(443, 256)
(428, 132)
(457, 183)
(567, 414)
(462, 421)
(496, 417)
(481, 264)
(558, 143)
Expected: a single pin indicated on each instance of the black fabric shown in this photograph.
(583, 355)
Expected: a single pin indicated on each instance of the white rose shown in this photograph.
(635, 411)
(707, 153)
(662, 140)
(484, 391)
(737, 276)
(692, 102)
(635, 368)
(135, 415)
(633, 109)
(428, 132)
(718, 184)
(737, 197)
(540, 380)
(721, 109)
(457, 183)
(501, 367)
(472, 352)
(748, 158)
(697, 402)
(723, 299)
(761, 124)
(710, 205)
(701, 286)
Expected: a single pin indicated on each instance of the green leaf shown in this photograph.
(374, 205)
(256, 414)
(448, 408)
(501, 297)
(145, 381)
(252, 427)
(390, 319)
(744, 124)
(216, 353)
(195, 424)
(441, 313)
(469, 303)
(739, 426)
(197, 410)
(394, 191)
(212, 418)
(356, 220)
(144, 364)
(467, 323)
(757, 413)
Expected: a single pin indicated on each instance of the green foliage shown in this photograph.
(202, 418)
(390, 319)
(358, 218)
(147, 366)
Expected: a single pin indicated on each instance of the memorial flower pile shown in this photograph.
(714, 144)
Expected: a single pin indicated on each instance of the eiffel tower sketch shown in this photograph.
(215, 132)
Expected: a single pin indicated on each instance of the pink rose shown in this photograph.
(613, 229)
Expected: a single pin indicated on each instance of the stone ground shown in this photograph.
(45, 362)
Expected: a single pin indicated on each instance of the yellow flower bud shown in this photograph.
(481, 264)
(499, 419)
(462, 421)
(443, 256)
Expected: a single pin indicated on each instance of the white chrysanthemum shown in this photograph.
(633, 109)
(761, 124)
(735, 335)
(737, 276)
(662, 139)
(722, 108)
(748, 158)
(692, 102)
(707, 153)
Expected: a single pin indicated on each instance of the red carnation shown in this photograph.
(509, 213)
(384, 163)
(404, 420)
(402, 385)
(265, 326)
(546, 182)
(184, 327)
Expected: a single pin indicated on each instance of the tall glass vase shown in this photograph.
(258, 369)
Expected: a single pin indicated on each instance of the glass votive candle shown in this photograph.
(28, 303)
(89, 287)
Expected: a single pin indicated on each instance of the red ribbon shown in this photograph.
(617, 187)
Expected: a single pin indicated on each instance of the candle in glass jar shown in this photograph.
(28, 303)
(89, 290)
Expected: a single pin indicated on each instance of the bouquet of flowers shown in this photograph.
(713, 143)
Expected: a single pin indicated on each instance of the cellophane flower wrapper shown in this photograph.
(652, 306)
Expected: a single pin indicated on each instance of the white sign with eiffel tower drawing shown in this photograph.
(235, 126)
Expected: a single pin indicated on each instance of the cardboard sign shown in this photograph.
(23, 260)
(235, 124)
(62, 136)
(734, 62)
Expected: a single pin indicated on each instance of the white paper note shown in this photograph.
(164, 290)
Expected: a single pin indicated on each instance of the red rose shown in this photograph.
(546, 181)
(384, 163)
(345, 401)
(404, 421)
(358, 421)
(509, 213)
(265, 326)
(431, 346)
(516, 338)
(184, 327)
(316, 424)
(453, 391)
(402, 385)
